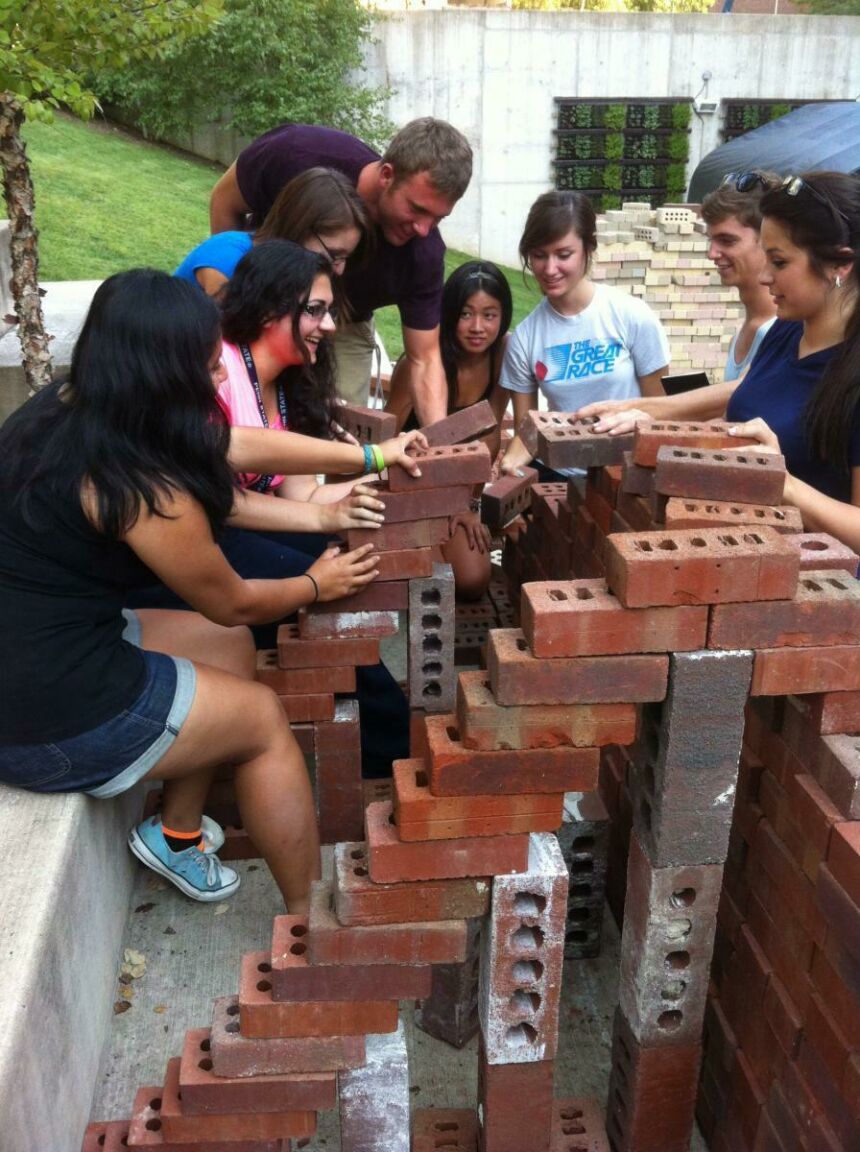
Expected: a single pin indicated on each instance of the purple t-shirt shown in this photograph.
(409, 276)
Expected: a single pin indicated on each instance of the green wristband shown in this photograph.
(378, 458)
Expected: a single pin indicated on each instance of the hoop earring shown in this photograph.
(837, 283)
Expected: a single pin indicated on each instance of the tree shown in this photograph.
(832, 7)
(628, 5)
(263, 62)
(48, 51)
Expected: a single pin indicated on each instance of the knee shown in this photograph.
(243, 652)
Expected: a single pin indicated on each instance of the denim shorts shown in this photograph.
(111, 758)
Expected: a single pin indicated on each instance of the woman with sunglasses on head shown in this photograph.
(800, 394)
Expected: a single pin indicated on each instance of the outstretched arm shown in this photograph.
(227, 206)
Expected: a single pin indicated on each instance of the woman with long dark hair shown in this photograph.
(112, 475)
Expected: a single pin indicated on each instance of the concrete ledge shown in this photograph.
(65, 883)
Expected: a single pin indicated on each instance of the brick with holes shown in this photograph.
(700, 566)
(666, 945)
(146, 1130)
(204, 1092)
(522, 954)
(451, 1129)
(106, 1136)
(583, 618)
(294, 977)
(367, 425)
(687, 513)
(819, 550)
(455, 770)
(578, 1126)
(354, 624)
(432, 675)
(340, 794)
(514, 1099)
(712, 435)
(393, 537)
(360, 901)
(461, 426)
(484, 724)
(394, 861)
(261, 1016)
(518, 677)
(559, 440)
(298, 681)
(419, 815)
(443, 465)
(506, 498)
(294, 652)
(374, 1100)
(584, 842)
(450, 1011)
(711, 474)
(825, 610)
(235, 1055)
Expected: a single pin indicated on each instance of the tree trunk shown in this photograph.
(18, 190)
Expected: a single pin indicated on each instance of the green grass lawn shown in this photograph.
(106, 200)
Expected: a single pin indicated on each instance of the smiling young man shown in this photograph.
(733, 218)
(408, 191)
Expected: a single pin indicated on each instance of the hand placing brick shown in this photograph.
(442, 466)
(562, 441)
(713, 434)
(408, 534)
(506, 498)
(425, 503)
(377, 596)
(825, 610)
(714, 474)
(367, 425)
(469, 422)
(686, 513)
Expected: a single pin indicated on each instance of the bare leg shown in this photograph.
(472, 569)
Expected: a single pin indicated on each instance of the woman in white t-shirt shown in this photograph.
(584, 341)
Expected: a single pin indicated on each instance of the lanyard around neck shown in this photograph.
(263, 483)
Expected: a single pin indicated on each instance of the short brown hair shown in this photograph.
(552, 216)
(435, 147)
(317, 200)
(726, 201)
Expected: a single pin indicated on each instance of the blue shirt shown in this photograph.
(777, 388)
(221, 252)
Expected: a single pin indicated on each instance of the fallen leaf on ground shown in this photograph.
(145, 907)
(127, 992)
(159, 1009)
(220, 909)
(120, 1006)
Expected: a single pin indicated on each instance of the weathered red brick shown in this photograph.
(378, 596)
(304, 708)
(713, 434)
(294, 652)
(367, 425)
(404, 564)
(407, 534)
(514, 1099)
(506, 498)
(819, 550)
(789, 671)
(688, 513)
(443, 465)
(578, 1124)
(302, 681)
(340, 794)
(146, 1130)
(710, 474)
(453, 1129)
(426, 503)
(562, 441)
(450, 1012)
(460, 426)
(106, 1136)
(348, 624)
(832, 712)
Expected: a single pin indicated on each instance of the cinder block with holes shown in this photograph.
(409, 534)
(825, 610)
(146, 1130)
(450, 1129)
(711, 474)
(432, 674)
(443, 465)
(484, 724)
(712, 435)
(652, 1093)
(584, 842)
(393, 861)
(340, 795)
(522, 954)
(262, 1017)
(514, 1099)
(578, 1126)
(455, 770)
(559, 440)
(818, 550)
(518, 677)
(688, 513)
(367, 425)
(293, 681)
(374, 1100)
(506, 498)
(294, 652)
(666, 945)
(204, 1092)
(360, 901)
(700, 566)
(354, 624)
(236, 1055)
(583, 618)
(450, 1012)
(460, 426)
(419, 815)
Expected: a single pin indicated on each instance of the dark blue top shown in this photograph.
(777, 388)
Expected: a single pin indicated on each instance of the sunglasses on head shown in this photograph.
(746, 181)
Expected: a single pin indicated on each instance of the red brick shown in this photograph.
(484, 724)
(307, 707)
(330, 942)
(789, 671)
(851, 1085)
(261, 1016)
(839, 910)
(600, 508)
(815, 816)
(819, 550)
(506, 498)
(294, 977)
(747, 1098)
(360, 901)
(514, 1099)
(235, 1055)
(712, 435)
(351, 625)
(824, 1033)
(442, 466)
(426, 503)
(367, 425)
(517, 677)
(432, 675)
(393, 537)
(843, 858)
(378, 596)
(561, 441)
(405, 564)
(106, 1136)
(452, 1129)
(836, 766)
(294, 652)
(455, 770)
(204, 1092)
(688, 513)
(177, 1125)
(583, 618)
(463, 425)
(419, 815)
(394, 861)
(700, 566)
(709, 474)
(302, 681)
(450, 1012)
(635, 480)
(578, 1126)
(832, 712)
(635, 511)
(827, 1092)
(146, 1130)
(340, 795)
(382, 789)
(825, 610)
(836, 992)
(238, 845)
(783, 1017)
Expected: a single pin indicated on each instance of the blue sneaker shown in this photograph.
(199, 875)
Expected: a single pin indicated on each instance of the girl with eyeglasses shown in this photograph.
(800, 394)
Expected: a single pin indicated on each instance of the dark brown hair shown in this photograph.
(552, 216)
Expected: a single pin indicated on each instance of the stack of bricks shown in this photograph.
(662, 256)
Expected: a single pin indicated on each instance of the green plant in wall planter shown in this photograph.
(610, 201)
(582, 115)
(676, 183)
(679, 146)
(750, 117)
(583, 147)
(612, 176)
(614, 118)
(778, 110)
(613, 146)
(680, 116)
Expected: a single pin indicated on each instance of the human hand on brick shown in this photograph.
(361, 508)
(395, 450)
(339, 574)
(757, 430)
(613, 416)
(477, 534)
